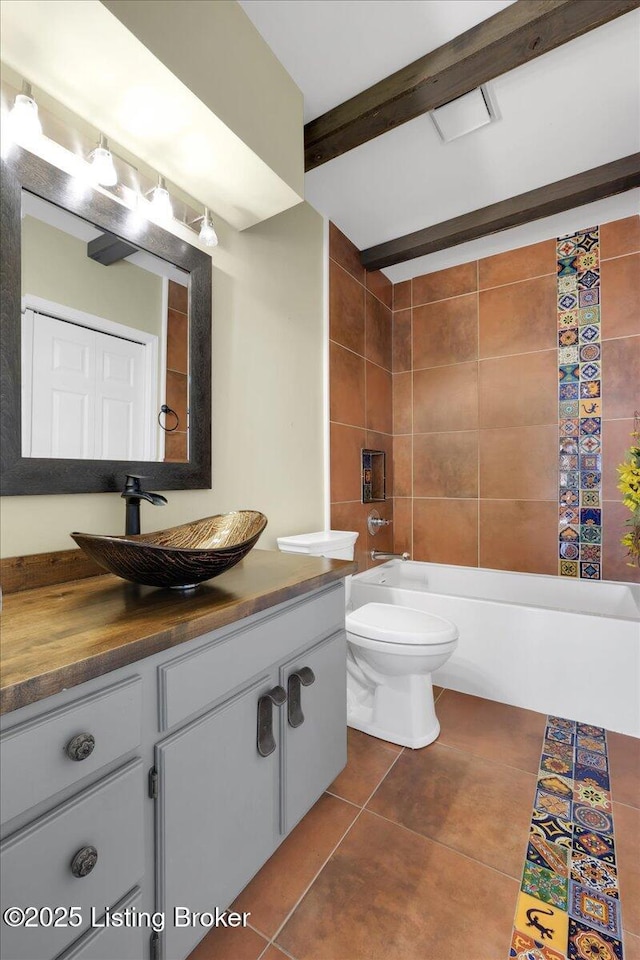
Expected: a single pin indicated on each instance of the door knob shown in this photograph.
(303, 677)
(266, 739)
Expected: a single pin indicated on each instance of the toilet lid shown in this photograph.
(394, 624)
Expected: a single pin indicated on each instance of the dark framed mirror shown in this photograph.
(105, 361)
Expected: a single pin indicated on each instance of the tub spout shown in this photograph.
(381, 555)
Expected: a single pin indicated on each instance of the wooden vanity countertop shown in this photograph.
(58, 636)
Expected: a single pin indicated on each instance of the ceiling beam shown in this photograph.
(515, 35)
(595, 184)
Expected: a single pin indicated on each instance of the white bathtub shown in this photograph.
(559, 646)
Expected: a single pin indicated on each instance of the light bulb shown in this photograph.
(208, 235)
(103, 169)
(23, 123)
(161, 201)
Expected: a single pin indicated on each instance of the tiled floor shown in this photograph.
(419, 855)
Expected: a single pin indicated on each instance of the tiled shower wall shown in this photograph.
(476, 406)
(475, 417)
(360, 354)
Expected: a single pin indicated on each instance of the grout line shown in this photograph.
(342, 838)
(315, 877)
(498, 763)
(337, 796)
(361, 356)
(446, 846)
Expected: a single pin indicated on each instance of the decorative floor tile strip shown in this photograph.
(579, 406)
(569, 902)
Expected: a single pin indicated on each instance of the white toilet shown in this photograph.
(392, 652)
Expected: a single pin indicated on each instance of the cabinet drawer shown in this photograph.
(192, 682)
(125, 943)
(35, 863)
(34, 762)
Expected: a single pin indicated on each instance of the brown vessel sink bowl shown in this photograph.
(179, 557)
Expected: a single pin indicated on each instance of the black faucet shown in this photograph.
(133, 494)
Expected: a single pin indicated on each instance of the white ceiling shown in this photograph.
(567, 111)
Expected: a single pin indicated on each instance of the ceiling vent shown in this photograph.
(464, 115)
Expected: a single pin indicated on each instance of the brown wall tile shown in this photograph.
(616, 440)
(177, 341)
(352, 516)
(518, 317)
(535, 260)
(378, 330)
(620, 293)
(347, 396)
(345, 253)
(520, 390)
(402, 466)
(346, 309)
(401, 340)
(402, 295)
(446, 464)
(621, 370)
(615, 562)
(177, 392)
(452, 282)
(379, 414)
(402, 525)
(445, 332)
(620, 237)
(446, 398)
(519, 462)
(346, 447)
(380, 286)
(519, 535)
(175, 447)
(178, 297)
(446, 531)
(402, 403)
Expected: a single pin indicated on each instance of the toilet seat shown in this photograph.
(404, 626)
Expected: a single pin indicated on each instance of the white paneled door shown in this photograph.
(87, 392)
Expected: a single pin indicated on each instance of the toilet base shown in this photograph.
(415, 743)
(400, 709)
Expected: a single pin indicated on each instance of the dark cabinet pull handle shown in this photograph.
(303, 677)
(80, 747)
(266, 739)
(84, 861)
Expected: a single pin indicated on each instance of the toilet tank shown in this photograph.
(336, 544)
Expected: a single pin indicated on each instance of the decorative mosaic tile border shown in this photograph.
(579, 405)
(569, 904)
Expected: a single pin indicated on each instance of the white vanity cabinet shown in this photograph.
(182, 773)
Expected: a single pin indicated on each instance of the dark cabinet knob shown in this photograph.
(303, 677)
(80, 747)
(266, 739)
(84, 861)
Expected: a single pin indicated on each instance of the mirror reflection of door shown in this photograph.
(89, 391)
(105, 333)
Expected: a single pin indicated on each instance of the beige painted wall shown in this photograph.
(55, 265)
(267, 399)
(215, 50)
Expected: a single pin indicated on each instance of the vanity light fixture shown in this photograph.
(161, 201)
(23, 123)
(207, 234)
(103, 169)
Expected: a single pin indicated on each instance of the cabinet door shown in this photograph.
(314, 752)
(217, 812)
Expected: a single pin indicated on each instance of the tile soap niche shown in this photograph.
(374, 485)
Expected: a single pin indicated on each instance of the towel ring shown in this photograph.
(165, 409)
